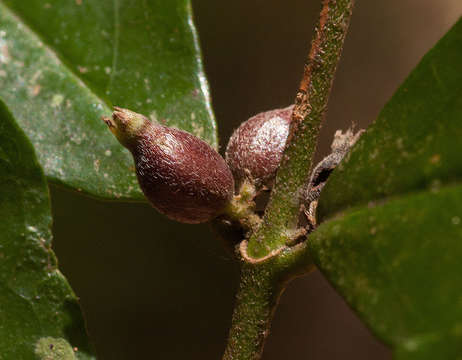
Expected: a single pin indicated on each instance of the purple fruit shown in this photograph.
(255, 149)
(181, 175)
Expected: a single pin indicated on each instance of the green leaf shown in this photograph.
(393, 240)
(63, 64)
(398, 265)
(415, 143)
(39, 314)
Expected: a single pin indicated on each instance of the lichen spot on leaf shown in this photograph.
(49, 348)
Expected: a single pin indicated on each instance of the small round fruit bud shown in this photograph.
(181, 175)
(255, 149)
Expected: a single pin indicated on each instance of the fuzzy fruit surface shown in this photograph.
(255, 149)
(180, 175)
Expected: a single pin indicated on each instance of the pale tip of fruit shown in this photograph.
(108, 121)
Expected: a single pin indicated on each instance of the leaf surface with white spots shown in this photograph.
(40, 317)
(64, 64)
(390, 238)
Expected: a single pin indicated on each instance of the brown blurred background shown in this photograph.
(151, 288)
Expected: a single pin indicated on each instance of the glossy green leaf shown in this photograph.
(393, 240)
(39, 314)
(398, 265)
(63, 64)
(415, 144)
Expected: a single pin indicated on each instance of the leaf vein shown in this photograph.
(115, 47)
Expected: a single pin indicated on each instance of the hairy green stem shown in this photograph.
(256, 301)
(282, 213)
(261, 285)
(268, 263)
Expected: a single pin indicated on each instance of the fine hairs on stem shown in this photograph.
(262, 282)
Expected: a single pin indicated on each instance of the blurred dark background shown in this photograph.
(151, 288)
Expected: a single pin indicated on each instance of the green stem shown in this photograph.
(262, 283)
(282, 213)
(268, 264)
(256, 300)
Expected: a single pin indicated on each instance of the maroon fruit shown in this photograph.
(255, 149)
(181, 175)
